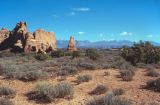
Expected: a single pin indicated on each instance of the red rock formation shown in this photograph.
(21, 40)
(4, 34)
(46, 39)
(72, 44)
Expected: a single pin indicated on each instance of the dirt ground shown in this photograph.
(133, 90)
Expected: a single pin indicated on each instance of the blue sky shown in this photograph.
(92, 20)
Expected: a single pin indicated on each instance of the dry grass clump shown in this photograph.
(100, 89)
(4, 101)
(154, 85)
(7, 92)
(33, 75)
(118, 91)
(42, 57)
(46, 93)
(109, 99)
(87, 65)
(127, 75)
(83, 78)
(152, 72)
(67, 70)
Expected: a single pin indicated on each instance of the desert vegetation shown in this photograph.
(46, 93)
(85, 76)
(142, 52)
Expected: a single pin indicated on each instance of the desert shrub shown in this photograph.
(42, 57)
(6, 54)
(28, 56)
(58, 53)
(107, 66)
(109, 99)
(118, 91)
(154, 85)
(7, 92)
(92, 54)
(83, 78)
(118, 62)
(88, 66)
(100, 89)
(9, 71)
(32, 75)
(67, 70)
(142, 52)
(68, 53)
(64, 89)
(152, 72)
(46, 93)
(4, 101)
(127, 75)
(1, 69)
(76, 54)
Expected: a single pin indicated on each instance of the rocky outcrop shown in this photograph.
(20, 40)
(46, 39)
(4, 34)
(72, 44)
(19, 37)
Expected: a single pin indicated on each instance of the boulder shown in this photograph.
(72, 45)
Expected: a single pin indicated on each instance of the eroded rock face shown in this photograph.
(19, 37)
(72, 44)
(4, 34)
(20, 40)
(46, 39)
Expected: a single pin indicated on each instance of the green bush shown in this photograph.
(83, 78)
(42, 57)
(4, 101)
(76, 54)
(7, 92)
(109, 99)
(46, 93)
(92, 54)
(100, 89)
(58, 53)
(142, 52)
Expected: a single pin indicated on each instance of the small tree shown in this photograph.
(92, 54)
(76, 54)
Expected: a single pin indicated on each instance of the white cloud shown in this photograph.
(80, 33)
(81, 9)
(71, 14)
(150, 36)
(126, 33)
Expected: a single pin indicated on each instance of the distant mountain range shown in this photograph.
(99, 44)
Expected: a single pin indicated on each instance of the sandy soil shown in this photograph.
(133, 89)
